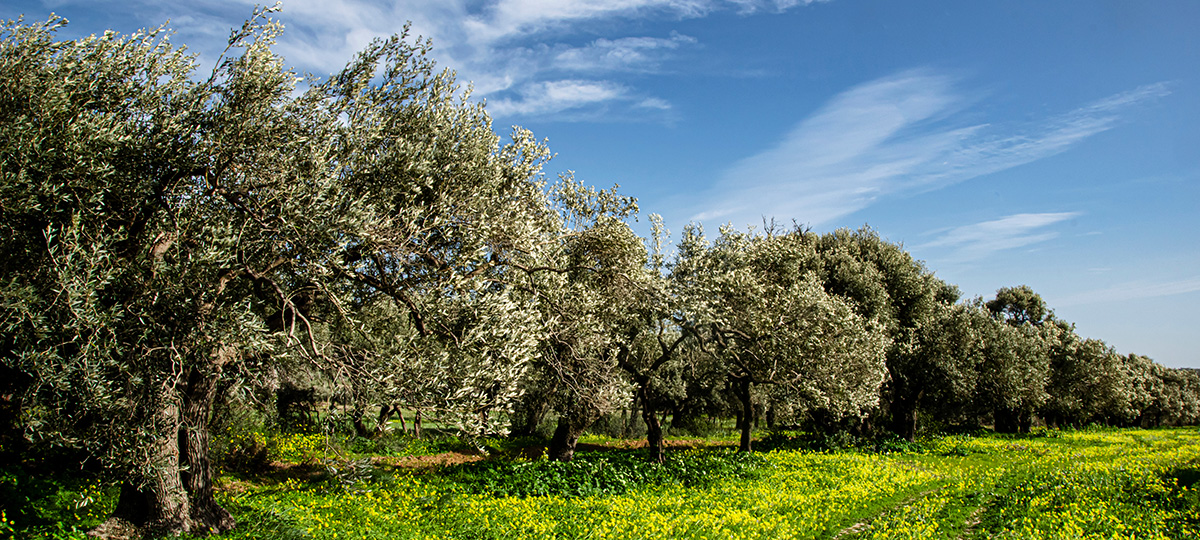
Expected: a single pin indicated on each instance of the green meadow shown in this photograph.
(1049, 484)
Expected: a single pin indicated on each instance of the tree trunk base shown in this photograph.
(132, 521)
(116, 528)
(741, 388)
(562, 444)
(119, 528)
(214, 519)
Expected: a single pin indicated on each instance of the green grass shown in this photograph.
(613, 472)
(52, 505)
(1072, 484)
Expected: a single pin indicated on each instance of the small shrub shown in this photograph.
(347, 475)
(246, 454)
(806, 440)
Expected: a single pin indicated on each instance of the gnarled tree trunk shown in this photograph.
(357, 413)
(904, 414)
(175, 492)
(531, 410)
(1005, 420)
(159, 504)
(385, 414)
(566, 436)
(197, 473)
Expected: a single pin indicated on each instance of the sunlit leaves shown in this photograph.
(770, 319)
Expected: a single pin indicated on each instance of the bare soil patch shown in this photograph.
(434, 461)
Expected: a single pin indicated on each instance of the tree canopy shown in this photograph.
(161, 228)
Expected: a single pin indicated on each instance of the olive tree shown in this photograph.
(442, 213)
(971, 366)
(771, 322)
(1014, 372)
(1019, 305)
(582, 273)
(886, 284)
(139, 211)
(651, 334)
(940, 370)
(1088, 382)
(1172, 396)
(160, 229)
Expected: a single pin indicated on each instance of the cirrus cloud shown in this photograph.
(898, 134)
(511, 51)
(980, 240)
(557, 96)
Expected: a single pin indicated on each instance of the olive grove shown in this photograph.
(167, 235)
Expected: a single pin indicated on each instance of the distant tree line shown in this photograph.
(168, 238)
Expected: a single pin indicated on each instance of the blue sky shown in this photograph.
(1053, 144)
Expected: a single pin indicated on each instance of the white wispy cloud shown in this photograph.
(557, 96)
(514, 52)
(623, 54)
(978, 241)
(507, 18)
(511, 51)
(755, 6)
(654, 103)
(1131, 291)
(901, 133)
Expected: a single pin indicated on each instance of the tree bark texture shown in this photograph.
(357, 413)
(197, 475)
(174, 494)
(1005, 420)
(530, 413)
(634, 412)
(158, 505)
(385, 414)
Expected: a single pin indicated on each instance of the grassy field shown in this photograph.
(1071, 484)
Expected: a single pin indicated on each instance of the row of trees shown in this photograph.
(168, 237)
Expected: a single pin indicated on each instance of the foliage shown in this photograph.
(1019, 305)
(582, 277)
(604, 473)
(1088, 382)
(886, 284)
(768, 319)
(162, 230)
(881, 443)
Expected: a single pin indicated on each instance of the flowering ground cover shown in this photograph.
(1072, 484)
(1109, 484)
